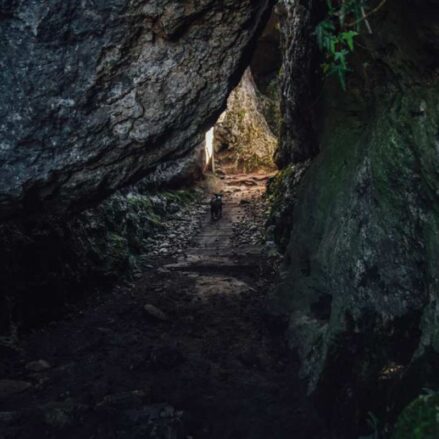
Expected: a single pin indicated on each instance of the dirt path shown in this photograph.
(203, 345)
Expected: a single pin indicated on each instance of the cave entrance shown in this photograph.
(245, 137)
(181, 318)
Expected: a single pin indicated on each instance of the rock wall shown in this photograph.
(360, 280)
(265, 66)
(49, 264)
(301, 80)
(243, 139)
(267, 58)
(96, 94)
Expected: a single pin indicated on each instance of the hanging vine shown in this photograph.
(337, 33)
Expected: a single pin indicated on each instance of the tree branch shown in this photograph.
(366, 16)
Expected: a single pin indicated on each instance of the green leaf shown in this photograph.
(324, 31)
(340, 58)
(340, 72)
(336, 38)
(348, 38)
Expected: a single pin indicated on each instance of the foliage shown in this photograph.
(420, 419)
(337, 33)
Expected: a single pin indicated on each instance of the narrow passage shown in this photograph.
(186, 351)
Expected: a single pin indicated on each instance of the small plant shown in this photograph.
(336, 34)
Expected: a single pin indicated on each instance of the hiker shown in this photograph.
(216, 207)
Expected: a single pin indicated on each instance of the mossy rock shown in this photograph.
(420, 419)
(281, 192)
(183, 197)
(278, 183)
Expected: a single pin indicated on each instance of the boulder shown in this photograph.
(95, 95)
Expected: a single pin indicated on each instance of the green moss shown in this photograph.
(250, 163)
(277, 182)
(184, 196)
(420, 419)
(139, 202)
(241, 115)
(154, 219)
(364, 233)
(116, 234)
(281, 193)
(277, 186)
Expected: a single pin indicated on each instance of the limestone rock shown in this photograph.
(301, 81)
(267, 59)
(243, 139)
(177, 172)
(266, 69)
(96, 94)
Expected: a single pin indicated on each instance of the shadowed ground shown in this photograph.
(203, 345)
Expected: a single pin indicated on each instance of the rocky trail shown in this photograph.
(186, 351)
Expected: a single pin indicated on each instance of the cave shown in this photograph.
(219, 219)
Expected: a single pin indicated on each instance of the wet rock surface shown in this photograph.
(215, 368)
(96, 94)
